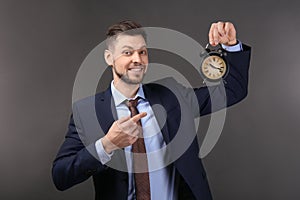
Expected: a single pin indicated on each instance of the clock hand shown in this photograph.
(215, 67)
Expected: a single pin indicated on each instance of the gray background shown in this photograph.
(42, 44)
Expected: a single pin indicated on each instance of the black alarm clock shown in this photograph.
(213, 67)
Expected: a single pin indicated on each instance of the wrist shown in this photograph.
(231, 42)
(108, 146)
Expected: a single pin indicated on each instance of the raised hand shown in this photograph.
(223, 33)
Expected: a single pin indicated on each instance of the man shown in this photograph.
(126, 114)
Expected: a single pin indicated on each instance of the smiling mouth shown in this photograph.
(139, 69)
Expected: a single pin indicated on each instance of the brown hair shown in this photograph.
(126, 27)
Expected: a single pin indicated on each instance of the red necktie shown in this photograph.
(142, 183)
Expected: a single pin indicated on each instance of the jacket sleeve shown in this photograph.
(74, 162)
(232, 90)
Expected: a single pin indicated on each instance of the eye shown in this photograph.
(127, 53)
(143, 52)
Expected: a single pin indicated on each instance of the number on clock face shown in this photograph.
(213, 67)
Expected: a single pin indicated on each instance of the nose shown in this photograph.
(136, 57)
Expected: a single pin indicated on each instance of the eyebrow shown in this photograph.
(129, 47)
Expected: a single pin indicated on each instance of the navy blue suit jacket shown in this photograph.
(77, 160)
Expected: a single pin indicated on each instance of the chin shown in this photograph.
(132, 81)
(136, 81)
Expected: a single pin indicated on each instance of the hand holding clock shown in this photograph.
(223, 33)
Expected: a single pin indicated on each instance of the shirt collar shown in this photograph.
(120, 98)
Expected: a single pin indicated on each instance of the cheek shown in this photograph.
(145, 59)
(122, 64)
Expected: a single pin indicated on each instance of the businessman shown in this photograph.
(119, 159)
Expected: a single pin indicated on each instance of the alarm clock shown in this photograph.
(213, 67)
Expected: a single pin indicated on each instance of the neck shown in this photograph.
(128, 90)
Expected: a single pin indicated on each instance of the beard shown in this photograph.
(126, 79)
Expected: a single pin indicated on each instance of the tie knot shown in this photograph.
(133, 102)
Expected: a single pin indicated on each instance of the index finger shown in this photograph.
(139, 116)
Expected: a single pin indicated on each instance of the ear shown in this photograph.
(108, 57)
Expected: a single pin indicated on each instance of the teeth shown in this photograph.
(136, 69)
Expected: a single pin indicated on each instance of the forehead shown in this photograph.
(133, 41)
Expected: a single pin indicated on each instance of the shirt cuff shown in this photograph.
(104, 157)
(234, 48)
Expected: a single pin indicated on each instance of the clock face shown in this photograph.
(213, 67)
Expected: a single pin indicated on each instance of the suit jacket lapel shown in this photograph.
(105, 109)
(154, 99)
